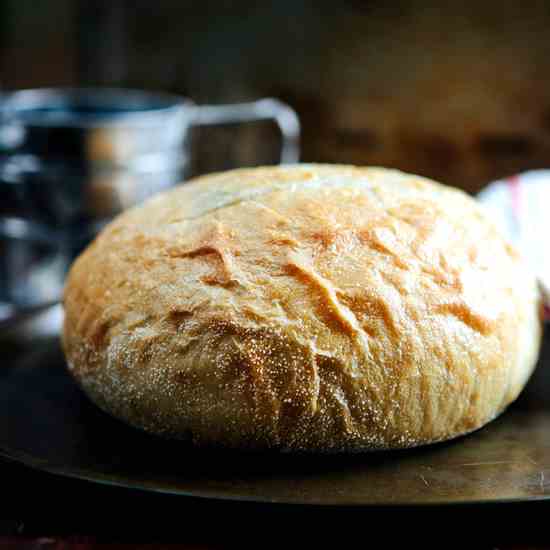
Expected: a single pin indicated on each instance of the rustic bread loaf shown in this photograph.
(307, 307)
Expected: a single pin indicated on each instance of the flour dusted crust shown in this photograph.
(308, 307)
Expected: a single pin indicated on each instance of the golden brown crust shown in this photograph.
(307, 307)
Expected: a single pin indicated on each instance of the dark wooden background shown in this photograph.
(456, 91)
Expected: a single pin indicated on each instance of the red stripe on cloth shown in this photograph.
(515, 193)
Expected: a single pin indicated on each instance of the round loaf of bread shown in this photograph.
(308, 307)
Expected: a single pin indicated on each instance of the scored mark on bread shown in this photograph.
(289, 186)
(234, 199)
(466, 315)
(283, 239)
(369, 307)
(214, 247)
(222, 274)
(345, 318)
(372, 239)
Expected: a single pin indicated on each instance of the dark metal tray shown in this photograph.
(47, 423)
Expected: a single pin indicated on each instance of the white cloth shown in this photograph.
(519, 205)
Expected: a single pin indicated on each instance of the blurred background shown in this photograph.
(456, 92)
